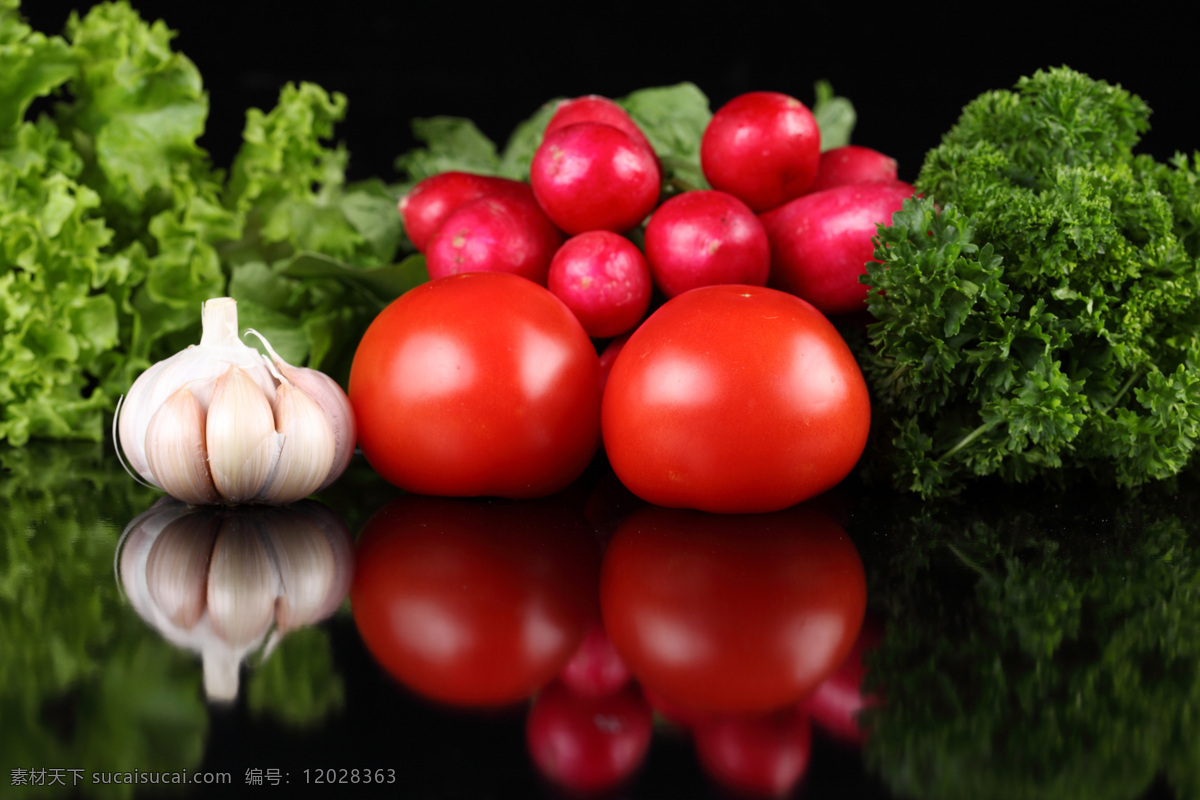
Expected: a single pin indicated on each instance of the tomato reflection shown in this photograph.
(474, 602)
(733, 614)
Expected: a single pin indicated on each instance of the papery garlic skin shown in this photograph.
(219, 422)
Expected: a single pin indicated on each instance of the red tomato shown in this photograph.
(477, 384)
(732, 614)
(734, 399)
(473, 602)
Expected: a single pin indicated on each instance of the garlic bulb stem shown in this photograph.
(218, 323)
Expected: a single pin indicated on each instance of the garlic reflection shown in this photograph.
(225, 582)
(220, 423)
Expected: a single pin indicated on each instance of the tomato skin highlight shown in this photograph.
(734, 399)
(480, 384)
(732, 614)
(474, 603)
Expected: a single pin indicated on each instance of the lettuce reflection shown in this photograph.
(82, 685)
(225, 582)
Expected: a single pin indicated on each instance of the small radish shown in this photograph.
(604, 279)
(596, 669)
(836, 704)
(821, 242)
(427, 204)
(594, 108)
(495, 233)
(761, 147)
(852, 164)
(588, 745)
(609, 354)
(758, 756)
(590, 176)
(700, 238)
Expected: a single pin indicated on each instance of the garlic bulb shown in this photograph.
(221, 423)
(217, 581)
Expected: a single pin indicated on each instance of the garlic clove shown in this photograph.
(177, 568)
(242, 583)
(133, 548)
(341, 543)
(175, 454)
(307, 447)
(240, 434)
(305, 558)
(131, 419)
(332, 400)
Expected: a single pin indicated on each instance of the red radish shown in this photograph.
(761, 147)
(590, 176)
(609, 354)
(496, 233)
(427, 204)
(588, 744)
(704, 237)
(761, 756)
(594, 108)
(837, 702)
(596, 669)
(852, 164)
(604, 279)
(821, 242)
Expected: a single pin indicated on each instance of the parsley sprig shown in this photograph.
(1037, 311)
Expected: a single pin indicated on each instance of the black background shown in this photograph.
(908, 67)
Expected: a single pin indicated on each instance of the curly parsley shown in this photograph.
(1037, 311)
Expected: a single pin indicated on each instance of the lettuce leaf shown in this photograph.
(115, 226)
(32, 65)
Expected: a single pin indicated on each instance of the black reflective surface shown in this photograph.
(1032, 645)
